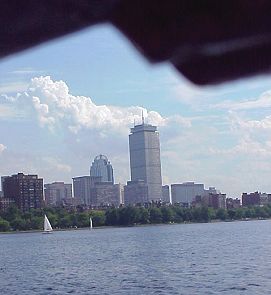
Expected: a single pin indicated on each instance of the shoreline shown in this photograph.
(126, 226)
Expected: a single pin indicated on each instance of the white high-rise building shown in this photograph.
(145, 161)
(102, 168)
(186, 192)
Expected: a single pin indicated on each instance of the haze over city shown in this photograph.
(63, 103)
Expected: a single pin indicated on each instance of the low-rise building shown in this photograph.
(215, 201)
(136, 192)
(233, 203)
(165, 194)
(106, 194)
(265, 199)
(252, 199)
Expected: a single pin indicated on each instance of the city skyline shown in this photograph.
(216, 135)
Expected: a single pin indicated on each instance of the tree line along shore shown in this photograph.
(15, 220)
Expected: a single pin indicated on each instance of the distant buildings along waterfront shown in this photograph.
(186, 192)
(98, 189)
(25, 191)
(81, 189)
(57, 193)
(102, 168)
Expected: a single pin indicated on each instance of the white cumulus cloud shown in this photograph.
(2, 148)
(54, 106)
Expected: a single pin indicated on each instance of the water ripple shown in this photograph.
(219, 258)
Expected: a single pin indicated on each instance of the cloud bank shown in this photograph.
(54, 106)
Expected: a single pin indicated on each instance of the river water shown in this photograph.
(215, 258)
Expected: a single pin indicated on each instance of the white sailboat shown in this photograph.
(90, 223)
(47, 225)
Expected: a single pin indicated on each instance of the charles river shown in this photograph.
(215, 258)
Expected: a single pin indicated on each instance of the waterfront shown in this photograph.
(209, 258)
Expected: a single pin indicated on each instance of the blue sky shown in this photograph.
(65, 101)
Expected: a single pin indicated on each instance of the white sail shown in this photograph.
(90, 223)
(47, 225)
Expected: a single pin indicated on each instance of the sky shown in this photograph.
(68, 100)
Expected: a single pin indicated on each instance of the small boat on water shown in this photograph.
(90, 223)
(47, 228)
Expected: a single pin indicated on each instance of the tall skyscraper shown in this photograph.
(145, 161)
(101, 167)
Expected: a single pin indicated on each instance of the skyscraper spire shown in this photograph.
(142, 115)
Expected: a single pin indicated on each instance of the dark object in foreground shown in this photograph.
(208, 41)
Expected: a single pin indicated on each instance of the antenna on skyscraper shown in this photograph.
(142, 115)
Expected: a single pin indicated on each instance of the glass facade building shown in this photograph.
(102, 168)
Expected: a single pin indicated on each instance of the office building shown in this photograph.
(214, 200)
(102, 168)
(26, 191)
(233, 203)
(165, 194)
(145, 162)
(55, 193)
(186, 192)
(106, 194)
(251, 199)
(81, 189)
(136, 192)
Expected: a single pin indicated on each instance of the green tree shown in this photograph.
(36, 222)
(4, 225)
(178, 214)
(65, 221)
(12, 213)
(221, 214)
(156, 215)
(83, 219)
(112, 216)
(239, 213)
(205, 214)
(167, 214)
(211, 213)
(188, 216)
(128, 215)
(232, 214)
(19, 224)
(98, 218)
(144, 216)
